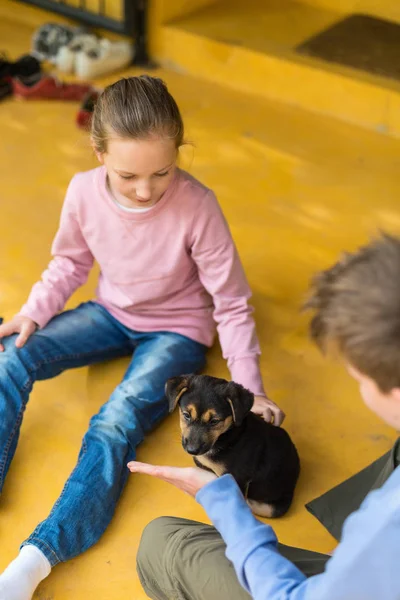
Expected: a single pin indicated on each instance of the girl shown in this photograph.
(168, 268)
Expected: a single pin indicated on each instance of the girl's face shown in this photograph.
(139, 171)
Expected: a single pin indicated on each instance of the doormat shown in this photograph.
(359, 41)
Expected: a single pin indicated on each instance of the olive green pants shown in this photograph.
(185, 560)
(333, 507)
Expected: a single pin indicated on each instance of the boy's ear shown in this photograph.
(240, 400)
(175, 388)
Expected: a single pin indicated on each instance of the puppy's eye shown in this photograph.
(186, 416)
(214, 421)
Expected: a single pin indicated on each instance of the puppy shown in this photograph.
(223, 436)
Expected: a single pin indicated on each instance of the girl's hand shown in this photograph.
(22, 325)
(268, 410)
(189, 480)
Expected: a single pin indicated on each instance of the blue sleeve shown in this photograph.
(364, 566)
(251, 545)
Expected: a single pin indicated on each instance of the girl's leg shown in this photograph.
(90, 495)
(75, 338)
(83, 336)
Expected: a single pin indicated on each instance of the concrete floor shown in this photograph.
(296, 189)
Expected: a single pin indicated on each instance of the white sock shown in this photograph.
(23, 575)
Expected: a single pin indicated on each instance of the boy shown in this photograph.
(357, 310)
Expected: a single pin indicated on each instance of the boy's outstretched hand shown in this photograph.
(268, 410)
(19, 324)
(189, 479)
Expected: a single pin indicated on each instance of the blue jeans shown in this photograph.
(76, 338)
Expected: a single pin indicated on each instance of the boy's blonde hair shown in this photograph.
(357, 307)
(136, 108)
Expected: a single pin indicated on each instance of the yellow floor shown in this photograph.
(296, 189)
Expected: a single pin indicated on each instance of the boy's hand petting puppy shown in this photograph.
(268, 410)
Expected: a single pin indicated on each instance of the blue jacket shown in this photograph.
(365, 565)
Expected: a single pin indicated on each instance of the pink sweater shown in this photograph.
(172, 268)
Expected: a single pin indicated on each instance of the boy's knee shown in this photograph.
(155, 539)
(158, 538)
(153, 554)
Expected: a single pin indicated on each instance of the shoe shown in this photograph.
(49, 38)
(84, 116)
(107, 57)
(49, 88)
(66, 57)
(26, 66)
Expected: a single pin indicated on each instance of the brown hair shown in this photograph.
(137, 108)
(357, 307)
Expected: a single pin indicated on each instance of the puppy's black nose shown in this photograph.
(194, 450)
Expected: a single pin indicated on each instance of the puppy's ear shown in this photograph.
(175, 388)
(240, 400)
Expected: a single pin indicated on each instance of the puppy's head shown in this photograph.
(208, 408)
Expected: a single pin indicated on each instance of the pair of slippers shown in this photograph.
(75, 50)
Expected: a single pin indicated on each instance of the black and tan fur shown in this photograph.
(223, 436)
